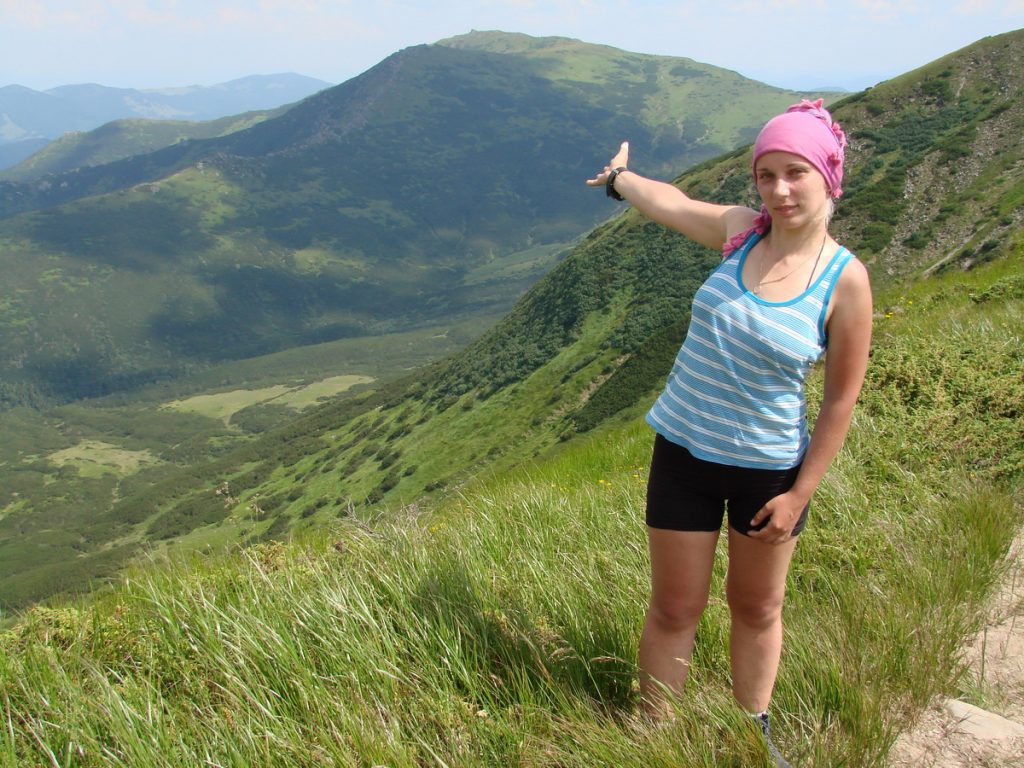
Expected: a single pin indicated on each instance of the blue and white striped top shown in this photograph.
(736, 392)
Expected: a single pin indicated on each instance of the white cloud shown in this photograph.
(1004, 8)
(890, 10)
(41, 16)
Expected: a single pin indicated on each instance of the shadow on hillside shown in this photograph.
(498, 648)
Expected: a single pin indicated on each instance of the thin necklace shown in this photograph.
(761, 282)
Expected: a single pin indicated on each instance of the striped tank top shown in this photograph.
(736, 391)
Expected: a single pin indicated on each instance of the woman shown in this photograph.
(731, 422)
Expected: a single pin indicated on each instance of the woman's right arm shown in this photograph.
(706, 223)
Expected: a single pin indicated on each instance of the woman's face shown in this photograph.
(792, 189)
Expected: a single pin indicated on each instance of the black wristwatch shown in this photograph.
(609, 185)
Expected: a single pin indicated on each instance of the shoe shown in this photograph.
(766, 731)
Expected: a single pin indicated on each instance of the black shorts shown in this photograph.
(685, 493)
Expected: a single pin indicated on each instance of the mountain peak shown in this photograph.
(496, 41)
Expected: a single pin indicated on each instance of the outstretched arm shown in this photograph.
(706, 223)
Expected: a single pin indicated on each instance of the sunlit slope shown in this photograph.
(499, 626)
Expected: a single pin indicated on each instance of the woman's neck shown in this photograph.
(789, 242)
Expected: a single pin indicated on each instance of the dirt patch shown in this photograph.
(945, 736)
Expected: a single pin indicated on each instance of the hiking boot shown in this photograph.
(766, 731)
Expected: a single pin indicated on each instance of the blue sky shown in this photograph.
(791, 43)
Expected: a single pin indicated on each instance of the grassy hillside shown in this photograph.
(66, 471)
(499, 626)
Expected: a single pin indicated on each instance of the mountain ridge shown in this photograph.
(48, 114)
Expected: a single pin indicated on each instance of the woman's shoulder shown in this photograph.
(854, 270)
(740, 220)
(853, 286)
(740, 225)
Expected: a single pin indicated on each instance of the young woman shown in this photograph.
(731, 423)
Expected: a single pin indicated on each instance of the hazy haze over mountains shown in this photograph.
(28, 118)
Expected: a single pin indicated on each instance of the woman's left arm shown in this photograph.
(846, 362)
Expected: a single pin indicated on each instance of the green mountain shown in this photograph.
(935, 186)
(121, 139)
(436, 186)
(584, 349)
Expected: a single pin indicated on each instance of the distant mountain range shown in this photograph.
(29, 118)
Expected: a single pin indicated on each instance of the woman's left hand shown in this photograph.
(782, 513)
(621, 160)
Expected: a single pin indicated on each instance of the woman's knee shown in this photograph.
(755, 609)
(676, 613)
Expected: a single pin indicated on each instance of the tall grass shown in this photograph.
(501, 628)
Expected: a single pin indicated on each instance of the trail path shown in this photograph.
(954, 734)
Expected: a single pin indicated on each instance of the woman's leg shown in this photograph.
(681, 563)
(755, 588)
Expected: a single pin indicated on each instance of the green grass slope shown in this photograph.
(66, 471)
(499, 627)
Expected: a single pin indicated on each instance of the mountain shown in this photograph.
(595, 336)
(405, 197)
(584, 350)
(114, 141)
(29, 114)
(17, 151)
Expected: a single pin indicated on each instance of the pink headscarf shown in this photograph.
(808, 130)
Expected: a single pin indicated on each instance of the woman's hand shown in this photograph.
(782, 513)
(621, 160)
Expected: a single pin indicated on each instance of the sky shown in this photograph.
(797, 44)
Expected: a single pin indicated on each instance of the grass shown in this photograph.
(224, 405)
(303, 397)
(57, 471)
(93, 458)
(500, 627)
